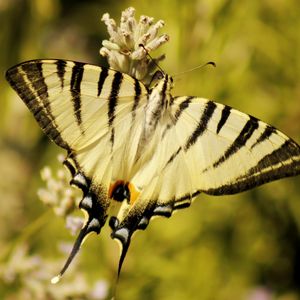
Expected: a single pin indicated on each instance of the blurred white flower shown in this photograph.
(100, 290)
(57, 193)
(74, 224)
(260, 293)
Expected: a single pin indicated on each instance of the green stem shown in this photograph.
(27, 232)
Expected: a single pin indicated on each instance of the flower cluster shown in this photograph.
(57, 193)
(123, 50)
(27, 277)
(62, 198)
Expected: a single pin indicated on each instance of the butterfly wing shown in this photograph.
(203, 146)
(230, 151)
(212, 148)
(85, 109)
(93, 113)
(98, 116)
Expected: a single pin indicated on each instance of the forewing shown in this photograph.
(228, 151)
(81, 107)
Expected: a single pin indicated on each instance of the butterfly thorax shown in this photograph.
(158, 101)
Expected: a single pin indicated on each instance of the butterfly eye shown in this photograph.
(158, 75)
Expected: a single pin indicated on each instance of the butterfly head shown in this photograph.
(162, 81)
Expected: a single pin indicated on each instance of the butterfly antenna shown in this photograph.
(152, 59)
(82, 234)
(211, 63)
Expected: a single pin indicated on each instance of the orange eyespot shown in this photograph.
(113, 186)
(121, 190)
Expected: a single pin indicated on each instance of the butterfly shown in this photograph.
(137, 152)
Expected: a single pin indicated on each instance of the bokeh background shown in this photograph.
(245, 246)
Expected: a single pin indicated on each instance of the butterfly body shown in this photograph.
(157, 105)
(144, 150)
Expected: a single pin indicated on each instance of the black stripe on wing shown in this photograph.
(182, 106)
(37, 103)
(240, 141)
(76, 78)
(137, 97)
(202, 125)
(35, 75)
(103, 75)
(224, 116)
(70, 165)
(173, 156)
(282, 162)
(61, 70)
(112, 102)
(284, 156)
(185, 201)
(269, 130)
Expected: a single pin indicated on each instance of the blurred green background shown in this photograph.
(245, 246)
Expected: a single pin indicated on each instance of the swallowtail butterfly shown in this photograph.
(142, 149)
